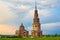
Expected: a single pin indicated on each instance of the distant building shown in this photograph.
(36, 26)
(22, 32)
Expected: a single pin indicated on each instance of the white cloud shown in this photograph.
(44, 2)
(48, 3)
(50, 27)
(5, 12)
(44, 13)
(7, 29)
(27, 1)
(23, 7)
(29, 29)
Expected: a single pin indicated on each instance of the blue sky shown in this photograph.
(15, 12)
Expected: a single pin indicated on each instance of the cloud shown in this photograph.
(44, 2)
(48, 3)
(9, 9)
(51, 28)
(7, 29)
(5, 12)
(27, 1)
(45, 13)
(29, 14)
(29, 29)
(23, 7)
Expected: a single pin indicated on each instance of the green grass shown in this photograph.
(44, 38)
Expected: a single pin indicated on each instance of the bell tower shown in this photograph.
(36, 26)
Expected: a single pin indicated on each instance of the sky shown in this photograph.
(15, 12)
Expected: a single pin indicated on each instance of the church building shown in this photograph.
(22, 32)
(36, 26)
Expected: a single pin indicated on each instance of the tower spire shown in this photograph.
(36, 11)
(35, 5)
(21, 24)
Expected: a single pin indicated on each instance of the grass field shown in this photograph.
(44, 38)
